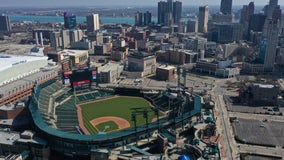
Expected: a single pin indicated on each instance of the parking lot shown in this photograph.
(260, 132)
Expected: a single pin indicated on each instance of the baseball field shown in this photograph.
(113, 114)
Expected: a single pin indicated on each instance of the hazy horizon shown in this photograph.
(105, 3)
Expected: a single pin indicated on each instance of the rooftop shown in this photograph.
(167, 67)
(72, 52)
(263, 85)
(10, 137)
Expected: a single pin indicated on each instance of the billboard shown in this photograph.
(66, 78)
(94, 74)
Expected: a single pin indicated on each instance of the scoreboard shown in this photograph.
(83, 78)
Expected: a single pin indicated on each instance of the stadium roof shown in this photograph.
(13, 67)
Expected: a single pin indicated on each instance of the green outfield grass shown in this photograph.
(119, 107)
(112, 126)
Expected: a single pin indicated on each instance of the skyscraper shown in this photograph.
(177, 9)
(162, 10)
(93, 22)
(138, 19)
(203, 19)
(226, 6)
(269, 44)
(69, 21)
(246, 12)
(269, 9)
(5, 23)
(192, 26)
(169, 12)
(147, 18)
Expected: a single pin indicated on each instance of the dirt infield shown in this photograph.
(80, 119)
(122, 123)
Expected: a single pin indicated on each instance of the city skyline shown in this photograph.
(54, 3)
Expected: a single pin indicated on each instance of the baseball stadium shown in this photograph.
(79, 118)
(75, 116)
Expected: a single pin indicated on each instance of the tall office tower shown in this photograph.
(192, 26)
(246, 12)
(147, 18)
(169, 12)
(269, 9)
(226, 6)
(269, 43)
(277, 13)
(138, 19)
(93, 22)
(256, 22)
(65, 34)
(170, 5)
(177, 9)
(69, 21)
(55, 40)
(5, 23)
(76, 35)
(162, 10)
(203, 19)
(251, 7)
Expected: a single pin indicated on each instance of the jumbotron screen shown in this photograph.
(81, 77)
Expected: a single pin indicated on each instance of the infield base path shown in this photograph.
(122, 123)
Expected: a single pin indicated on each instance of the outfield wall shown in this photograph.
(76, 144)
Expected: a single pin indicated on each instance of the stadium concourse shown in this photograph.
(19, 73)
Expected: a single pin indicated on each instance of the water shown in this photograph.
(113, 20)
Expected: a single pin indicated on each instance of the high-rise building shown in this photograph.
(69, 21)
(169, 12)
(269, 9)
(147, 18)
(277, 13)
(192, 26)
(138, 19)
(226, 6)
(55, 40)
(246, 12)
(225, 32)
(5, 23)
(93, 22)
(203, 19)
(162, 10)
(65, 34)
(177, 10)
(256, 22)
(269, 44)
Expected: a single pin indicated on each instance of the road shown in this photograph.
(234, 149)
(226, 132)
(225, 128)
(270, 151)
(259, 117)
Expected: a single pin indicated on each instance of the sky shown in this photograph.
(126, 3)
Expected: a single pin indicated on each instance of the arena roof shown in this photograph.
(13, 67)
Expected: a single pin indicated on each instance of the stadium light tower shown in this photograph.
(133, 118)
(158, 121)
(145, 115)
